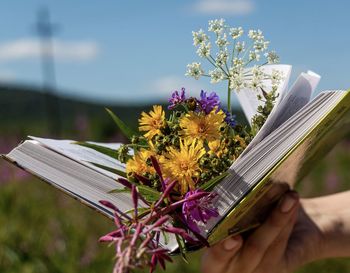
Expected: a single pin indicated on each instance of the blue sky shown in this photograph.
(136, 51)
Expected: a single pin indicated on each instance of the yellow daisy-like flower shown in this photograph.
(202, 127)
(152, 122)
(137, 164)
(183, 164)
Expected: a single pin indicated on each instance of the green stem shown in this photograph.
(212, 61)
(233, 52)
(229, 98)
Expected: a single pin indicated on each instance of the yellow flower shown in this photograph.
(137, 164)
(241, 141)
(183, 164)
(152, 122)
(202, 127)
(215, 147)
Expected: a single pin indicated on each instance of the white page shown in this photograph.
(248, 98)
(252, 168)
(298, 96)
(84, 155)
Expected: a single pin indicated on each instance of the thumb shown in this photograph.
(217, 257)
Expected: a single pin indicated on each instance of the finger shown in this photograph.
(257, 243)
(217, 257)
(277, 250)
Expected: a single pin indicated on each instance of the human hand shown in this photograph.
(288, 239)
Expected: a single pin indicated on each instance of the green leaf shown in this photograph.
(129, 133)
(102, 149)
(166, 237)
(148, 193)
(213, 182)
(182, 247)
(119, 190)
(140, 210)
(112, 170)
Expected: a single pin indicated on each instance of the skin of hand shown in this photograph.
(295, 233)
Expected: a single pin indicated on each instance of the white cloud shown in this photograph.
(163, 87)
(63, 51)
(230, 7)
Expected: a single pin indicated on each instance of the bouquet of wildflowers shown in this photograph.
(176, 159)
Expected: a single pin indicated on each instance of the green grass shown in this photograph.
(43, 230)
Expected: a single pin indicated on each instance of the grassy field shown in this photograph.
(42, 230)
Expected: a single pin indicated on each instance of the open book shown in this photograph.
(296, 134)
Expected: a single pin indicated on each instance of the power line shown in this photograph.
(46, 30)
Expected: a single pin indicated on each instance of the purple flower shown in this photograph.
(199, 210)
(176, 98)
(230, 119)
(208, 103)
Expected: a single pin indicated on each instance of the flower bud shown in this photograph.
(160, 147)
(238, 128)
(165, 129)
(204, 161)
(178, 114)
(191, 104)
(135, 140)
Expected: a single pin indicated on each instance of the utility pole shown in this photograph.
(45, 30)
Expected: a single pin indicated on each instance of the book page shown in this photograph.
(298, 96)
(84, 155)
(62, 164)
(254, 171)
(248, 98)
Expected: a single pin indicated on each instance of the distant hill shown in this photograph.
(24, 111)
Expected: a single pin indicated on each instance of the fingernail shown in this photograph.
(288, 202)
(231, 243)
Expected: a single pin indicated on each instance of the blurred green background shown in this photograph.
(43, 230)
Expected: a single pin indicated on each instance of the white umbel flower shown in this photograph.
(255, 34)
(221, 57)
(261, 45)
(216, 75)
(276, 77)
(199, 37)
(204, 50)
(237, 84)
(236, 78)
(257, 72)
(221, 41)
(238, 62)
(254, 56)
(236, 32)
(231, 57)
(216, 26)
(255, 84)
(240, 47)
(194, 70)
(272, 57)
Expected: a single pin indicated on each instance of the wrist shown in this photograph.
(317, 239)
(331, 216)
